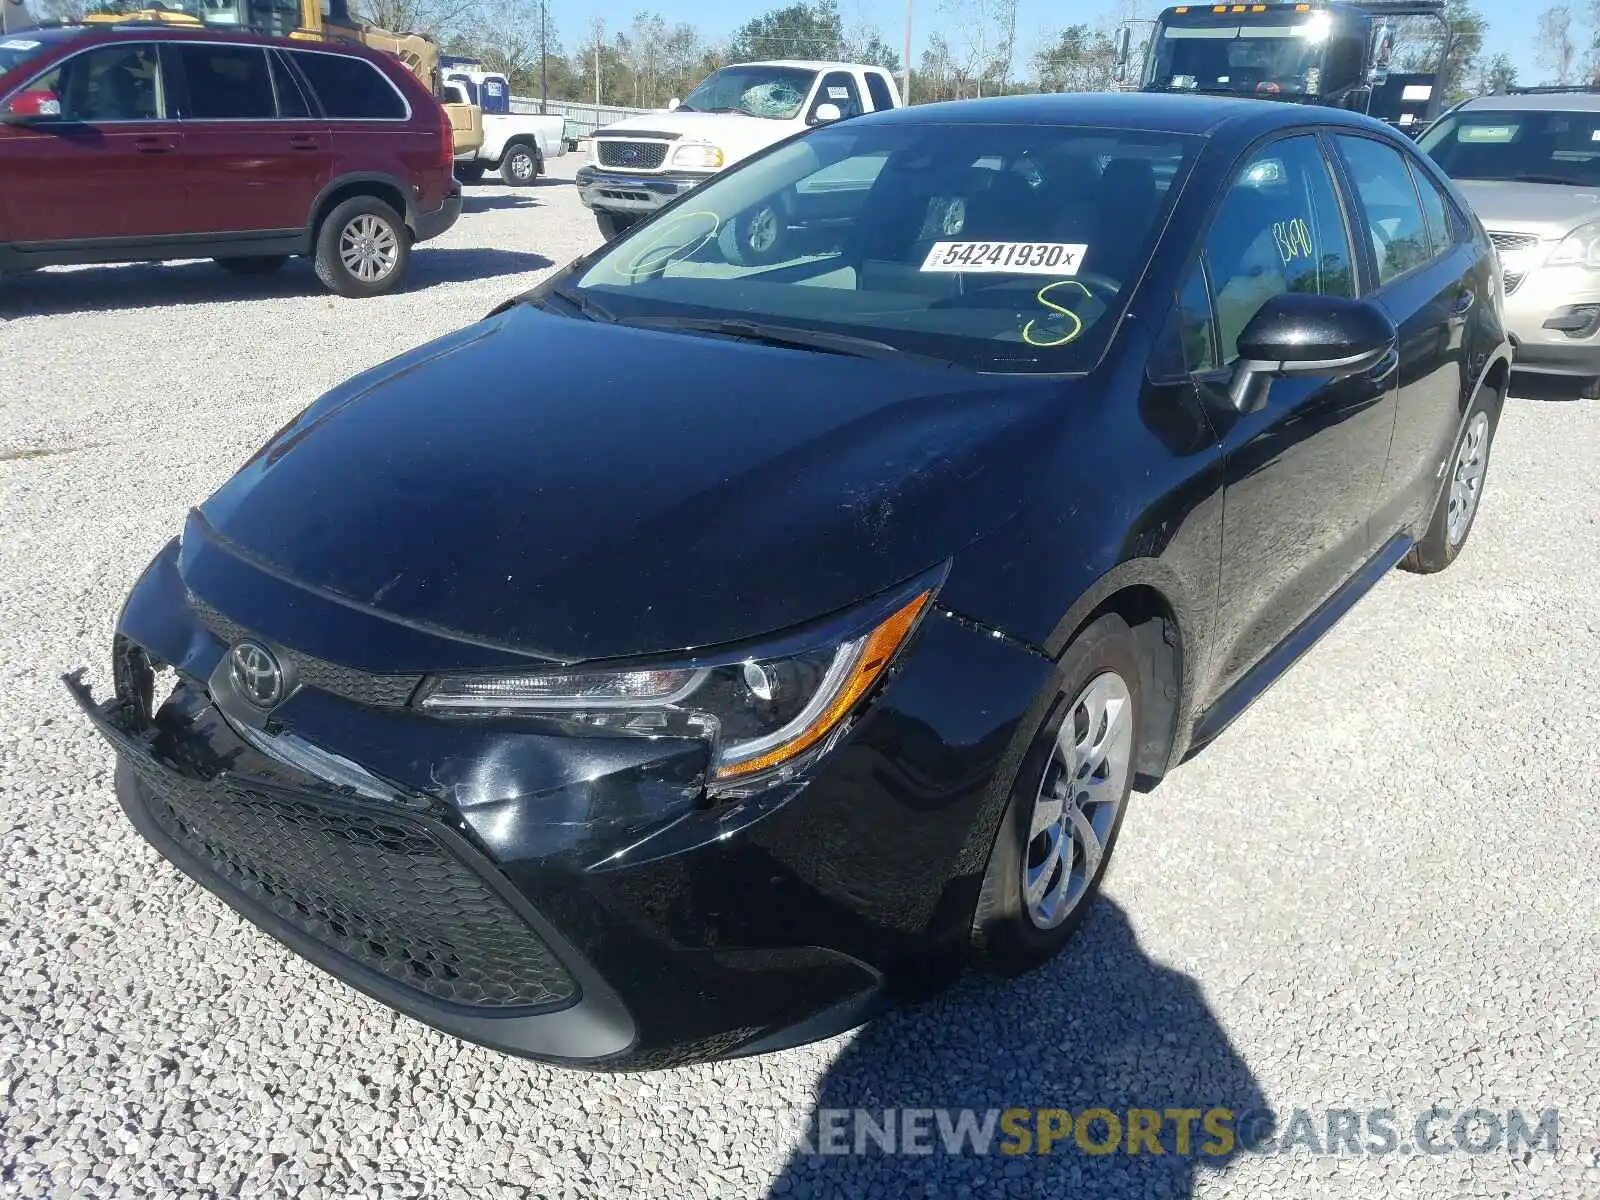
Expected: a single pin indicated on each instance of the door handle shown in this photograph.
(153, 145)
(302, 142)
(1462, 306)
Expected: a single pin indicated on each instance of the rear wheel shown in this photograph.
(362, 248)
(253, 264)
(613, 224)
(1457, 508)
(1066, 805)
(520, 166)
(469, 172)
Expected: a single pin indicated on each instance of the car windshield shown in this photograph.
(757, 91)
(1239, 57)
(1524, 145)
(1008, 248)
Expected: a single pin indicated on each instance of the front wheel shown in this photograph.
(362, 248)
(1061, 823)
(1457, 507)
(520, 166)
(613, 224)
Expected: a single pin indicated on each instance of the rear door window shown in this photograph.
(292, 101)
(226, 83)
(1394, 216)
(1444, 227)
(350, 89)
(878, 89)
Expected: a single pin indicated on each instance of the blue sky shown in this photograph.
(1511, 22)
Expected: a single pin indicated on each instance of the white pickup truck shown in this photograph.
(515, 144)
(644, 162)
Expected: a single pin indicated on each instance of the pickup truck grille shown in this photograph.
(1515, 246)
(632, 156)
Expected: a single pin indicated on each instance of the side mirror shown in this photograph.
(825, 113)
(1300, 335)
(1124, 49)
(672, 105)
(27, 107)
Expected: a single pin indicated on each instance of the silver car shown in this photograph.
(1529, 162)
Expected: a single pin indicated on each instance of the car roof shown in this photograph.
(810, 64)
(135, 30)
(1160, 112)
(1552, 101)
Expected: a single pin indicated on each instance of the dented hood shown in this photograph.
(577, 490)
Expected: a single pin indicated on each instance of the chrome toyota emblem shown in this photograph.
(256, 674)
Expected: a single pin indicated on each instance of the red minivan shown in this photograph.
(132, 143)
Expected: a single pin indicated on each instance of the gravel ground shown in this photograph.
(1380, 889)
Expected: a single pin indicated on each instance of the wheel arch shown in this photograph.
(380, 187)
(1153, 602)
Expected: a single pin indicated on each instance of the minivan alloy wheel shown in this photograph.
(1466, 479)
(368, 247)
(1078, 801)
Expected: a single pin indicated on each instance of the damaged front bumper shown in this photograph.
(573, 899)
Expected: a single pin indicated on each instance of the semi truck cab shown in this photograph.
(1311, 51)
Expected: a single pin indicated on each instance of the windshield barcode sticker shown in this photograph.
(1011, 258)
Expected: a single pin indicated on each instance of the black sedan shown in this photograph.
(882, 514)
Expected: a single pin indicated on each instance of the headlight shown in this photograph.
(697, 158)
(766, 715)
(1580, 248)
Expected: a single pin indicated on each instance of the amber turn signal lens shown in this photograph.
(876, 651)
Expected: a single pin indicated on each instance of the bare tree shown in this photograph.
(414, 16)
(66, 11)
(506, 35)
(988, 31)
(1556, 52)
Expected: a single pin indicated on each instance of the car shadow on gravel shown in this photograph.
(1102, 1027)
(1526, 385)
(159, 285)
(472, 202)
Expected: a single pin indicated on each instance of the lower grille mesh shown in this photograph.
(380, 888)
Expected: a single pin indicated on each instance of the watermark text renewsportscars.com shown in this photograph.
(1214, 1132)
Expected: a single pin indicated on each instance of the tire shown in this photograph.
(1097, 707)
(471, 172)
(762, 234)
(253, 264)
(357, 221)
(520, 165)
(613, 224)
(1449, 526)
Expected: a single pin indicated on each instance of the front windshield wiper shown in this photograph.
(590, 308)
(787, 336)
